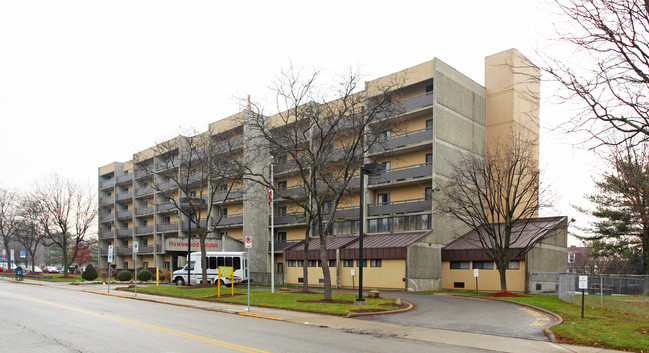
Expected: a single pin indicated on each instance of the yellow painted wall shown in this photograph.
(293, 233)
(406, 192)
(389, 275)
(488, 280)
(406, 159)
(236, 233)
(315, 274)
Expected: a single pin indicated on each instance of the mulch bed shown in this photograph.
(303, 292)
(68, 276)
(326, 301)
(504, 294)
(223, 296)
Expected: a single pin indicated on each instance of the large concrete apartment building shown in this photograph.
(445, 114)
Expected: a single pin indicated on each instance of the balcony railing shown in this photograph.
(124, 214)
(124, 232)
(289, 218)
(202, 223)
(229, 220)
(143, 210)
(103, 251)
(106, 234)
(106, 200)
(402, 173)
(419, 101)
(402, 140)
(121, 250)
(166, 206)
(158, 248)
(292, 191)
(347, 212)
(168, 185)
(404, 206)
(144, 191)
(125, 196)
(107, 183)
(235, 194)
(166, 227)
(105, 217)
(145, 250)
(124, 178)
(143, 230)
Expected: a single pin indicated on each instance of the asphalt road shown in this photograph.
(56, 319)
(473, 315)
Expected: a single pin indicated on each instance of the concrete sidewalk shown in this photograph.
(456, 338)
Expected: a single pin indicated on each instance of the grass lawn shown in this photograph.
(280, 299)
(599, 328)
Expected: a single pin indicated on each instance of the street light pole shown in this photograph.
(272, 231)
(189, 243)
(369, 168)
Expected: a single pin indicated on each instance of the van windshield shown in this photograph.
(191, 266)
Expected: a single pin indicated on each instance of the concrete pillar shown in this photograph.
(256, 211)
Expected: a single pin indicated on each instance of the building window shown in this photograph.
(223, 188)
(348, 263)
(383, 199)
(483, 265)
(376, 263)
(358, 262)
(166, 220)
(124, 225)
(109, 194)
(145, 223)
(125, 189)
(429, 124)
(386, 134)
(571, 257)
(281, 237)
(428, 192)
(460, 265)
(281, 185)
(224, 212)
(429, 158)
(223, 234)
(326, 206)
(332, 263)
(192, 194)
(514, 265)
(281, 211)
(429, 88)
(167, 265)
(300, 263)
(458, 284)
(145, 242)
(126, 172)
(145, 264)
(125, 207)
(280, 267)
(387, 165)
(291, 263)
(312, 263)
(125, 265)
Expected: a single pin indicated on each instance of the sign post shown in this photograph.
(135, 251)
(583, 285)
(353, 273)
(110, 262)
(476, 273)
(248, 242)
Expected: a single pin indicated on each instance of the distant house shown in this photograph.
(460, 257)
(579, 261)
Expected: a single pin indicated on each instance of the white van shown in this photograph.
(236, 260)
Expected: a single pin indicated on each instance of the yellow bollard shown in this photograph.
(157, 276)
(232, 283)
(218, 279)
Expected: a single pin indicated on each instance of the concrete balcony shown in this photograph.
(103, 251)
(168, 185)
(106, 217)
(127, 196)
(284, 167)
(143, 230)
(168, 227)
(124, 232)
(139, 211)
(124, 214)
(292, 191)
(107, 183)
(144, 191)
(124, 179)
(169, 206)
(122, 250)
(347, 212)
(403, 173)
(289, 218)
(145, 250)
(202, 223)
(229, 220)
(403, 140)
(404, 206)
(106, 234)
(418, 101)
(106, 200)
(235, 194)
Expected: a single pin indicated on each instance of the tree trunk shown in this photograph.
(305, 261)
(325, 267)
(201, 240)
(502, 271)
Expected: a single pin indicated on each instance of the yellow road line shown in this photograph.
(541, 319)
(140, 324)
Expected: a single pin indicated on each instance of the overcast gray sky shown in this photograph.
(86, 83)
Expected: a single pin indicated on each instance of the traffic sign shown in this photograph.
(583, 282)
(23, 254)
(135, 246)
(476, 273)
(248, 241)
(110, 254)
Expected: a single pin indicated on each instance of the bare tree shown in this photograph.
(324, 143)
(606, 67)
(197, 173)
(31, 234)
(498, 196)
(11, 220)
(68, 213)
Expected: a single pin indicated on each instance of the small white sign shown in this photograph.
(110, 254)
(353, 273)
(583, 282)
(475, 272)
(248, 242)
(135, 246)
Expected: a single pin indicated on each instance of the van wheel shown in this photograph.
(179, 281)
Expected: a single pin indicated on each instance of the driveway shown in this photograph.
(466, 314)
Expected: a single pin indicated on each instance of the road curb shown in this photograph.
(395, 311)
(21, 282)
(187, 305)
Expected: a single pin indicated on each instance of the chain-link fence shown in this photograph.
(615, 292)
